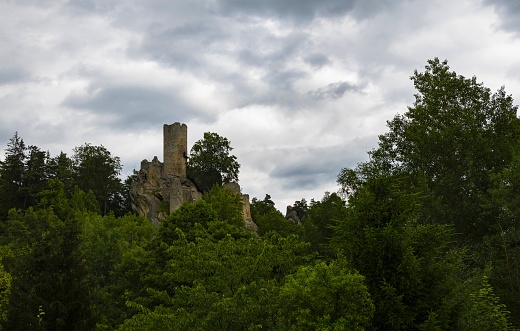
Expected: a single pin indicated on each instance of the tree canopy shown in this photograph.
(211, 163)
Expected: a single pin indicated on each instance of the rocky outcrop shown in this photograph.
(292, 215)
(155, 194)
(160, 188)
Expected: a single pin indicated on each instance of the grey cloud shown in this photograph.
(334, 90)
(181, 47)
(301, 11)
(509, 11)
(9, 75)
(130, 106)
(297, 9)
(308, 167)
(317, 60)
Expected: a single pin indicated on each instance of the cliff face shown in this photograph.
(155, 194)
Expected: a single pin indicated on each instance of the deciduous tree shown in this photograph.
(211, 163)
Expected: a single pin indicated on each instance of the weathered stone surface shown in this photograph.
(155, 195)
(292, 215)
(175, 149)
(161, 188)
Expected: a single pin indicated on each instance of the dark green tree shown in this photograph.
(96, 170)
(456, 148)
(325, 297)
(227, 204)
(456, 134)
(320, 220)
(50, 288)
(60, 167)
(414, 275)
(484, 311)
(269, 219)
(211, 163)
(228, 284)
(12, 171)
(35, 175)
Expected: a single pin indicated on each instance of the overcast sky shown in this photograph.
(301, 88)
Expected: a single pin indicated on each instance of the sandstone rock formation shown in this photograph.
(156, 194)
(161, 188)
(292, 215)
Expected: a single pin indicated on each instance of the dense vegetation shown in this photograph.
(423, 236)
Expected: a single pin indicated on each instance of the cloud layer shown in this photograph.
(301, 88)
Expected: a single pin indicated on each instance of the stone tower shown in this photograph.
(175, 149)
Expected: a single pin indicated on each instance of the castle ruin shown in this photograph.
(175, 149)
(162, 187)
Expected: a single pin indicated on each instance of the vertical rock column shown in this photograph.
(175, 149)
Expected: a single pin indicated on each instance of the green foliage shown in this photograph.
(57, 285)
(35, 175)
(26, 171)
(326, 297)
(227, 204)
(319, 222)
(210, 162)
(502, 251)
(12, 171)
(5, 286)
(61, 168)
(269, 219)
(451, 160)
(410, 268)
(108, 241)
(230, 284)
(451, 140)
(485, 312)
(185, 218)
(96, 170)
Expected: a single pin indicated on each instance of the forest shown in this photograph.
(422, 236)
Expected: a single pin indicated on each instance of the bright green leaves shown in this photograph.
(485, 312)
(326, 297)
(230, 284)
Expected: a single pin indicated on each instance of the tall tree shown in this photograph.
(456, 134)
(36, 175)
(318, 224)
(12, 171)
(211, 163)
(61, 168)
(446, 164)
(96, 170)
(50, 288)
(414, 275)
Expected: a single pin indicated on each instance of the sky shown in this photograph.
(301, 88)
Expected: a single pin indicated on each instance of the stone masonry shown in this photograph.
(175, 149)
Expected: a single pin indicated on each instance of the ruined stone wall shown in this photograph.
(175, 144)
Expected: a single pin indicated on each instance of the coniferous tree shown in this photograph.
(12, 172)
